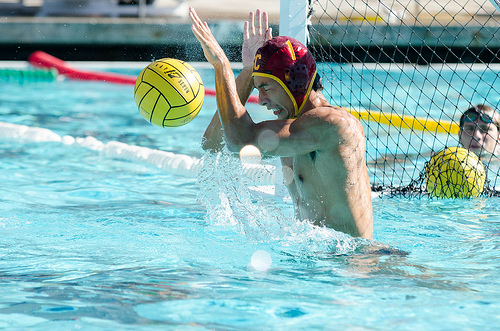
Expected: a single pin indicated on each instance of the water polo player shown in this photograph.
(480, 130)
(291, 65)
(322, 146)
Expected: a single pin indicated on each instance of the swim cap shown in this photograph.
(290, 63)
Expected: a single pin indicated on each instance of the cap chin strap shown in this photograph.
(309, 88)
(287, 90)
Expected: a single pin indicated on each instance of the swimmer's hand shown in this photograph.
(213, 52)
(256, 32)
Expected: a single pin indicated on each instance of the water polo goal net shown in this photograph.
(408, 69)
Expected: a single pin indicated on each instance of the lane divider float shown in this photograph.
(28, 75)
(176, 164)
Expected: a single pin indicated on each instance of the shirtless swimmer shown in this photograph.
(323, 145)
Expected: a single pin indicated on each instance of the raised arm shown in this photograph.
(256, 32)
(295, 136)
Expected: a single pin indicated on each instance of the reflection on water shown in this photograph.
(99, 243)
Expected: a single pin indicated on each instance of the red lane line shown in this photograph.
(44, 60)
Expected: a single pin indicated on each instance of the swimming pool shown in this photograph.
(97, 242)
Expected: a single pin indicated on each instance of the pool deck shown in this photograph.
(166, 32)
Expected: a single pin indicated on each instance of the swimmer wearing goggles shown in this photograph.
(477, 132)
(472, 114)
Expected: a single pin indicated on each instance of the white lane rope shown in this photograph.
(176, 164)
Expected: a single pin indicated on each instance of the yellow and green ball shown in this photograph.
(455, 172)
(169, 92)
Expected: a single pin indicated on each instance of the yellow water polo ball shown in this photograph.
(455, 172)
(169, 92)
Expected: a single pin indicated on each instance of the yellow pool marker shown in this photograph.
(407, 122)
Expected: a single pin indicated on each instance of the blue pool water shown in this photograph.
(96, 242)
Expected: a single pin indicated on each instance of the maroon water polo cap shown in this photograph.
(290, 63)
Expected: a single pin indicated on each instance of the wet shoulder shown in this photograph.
(331, 114)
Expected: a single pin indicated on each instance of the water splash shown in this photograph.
(224, 191)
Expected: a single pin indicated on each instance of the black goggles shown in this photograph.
(473, 115)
